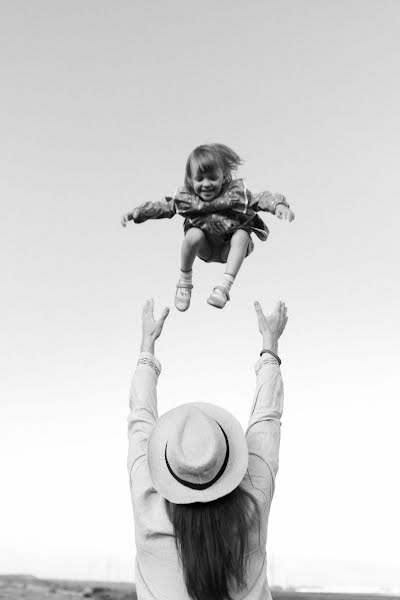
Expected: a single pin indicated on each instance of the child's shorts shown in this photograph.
(220, 249)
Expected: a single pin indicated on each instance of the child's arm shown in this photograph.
(164, 209)
(190, 205)
(185, 204)
(274, 203)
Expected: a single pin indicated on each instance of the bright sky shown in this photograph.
(101, 103)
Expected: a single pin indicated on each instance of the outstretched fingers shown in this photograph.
(273, 323)
(148, 312)
(258, 308)
(148, 307)
(284, 317)
(260, 316)
(145, 308)
(164, 315)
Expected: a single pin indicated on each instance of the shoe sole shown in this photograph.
(213, 303)
(182, 309)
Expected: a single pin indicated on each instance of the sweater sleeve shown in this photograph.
(267, 201)
(143, 408)
(192, 206)
(163, 209)
(263, 431)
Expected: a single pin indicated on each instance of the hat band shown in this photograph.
(201, 486)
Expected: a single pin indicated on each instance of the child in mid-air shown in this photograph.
(220, 216)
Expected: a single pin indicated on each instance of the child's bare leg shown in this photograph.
(194, 244)
(237, 253)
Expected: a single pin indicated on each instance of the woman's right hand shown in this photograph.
(271, 326)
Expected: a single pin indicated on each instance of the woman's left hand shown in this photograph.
(151, 328)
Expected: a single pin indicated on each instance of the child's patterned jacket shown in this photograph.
(236, 208)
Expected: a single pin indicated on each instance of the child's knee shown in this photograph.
(240, 238)
(194, 236)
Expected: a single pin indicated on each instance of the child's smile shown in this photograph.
(208, 185)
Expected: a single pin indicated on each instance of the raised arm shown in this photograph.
(163, 209)
(263, 432)
(143, 393)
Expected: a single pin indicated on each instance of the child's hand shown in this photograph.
(284, 212)
(132, 216)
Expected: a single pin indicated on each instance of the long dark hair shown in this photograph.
(212, 540)
(209, 156)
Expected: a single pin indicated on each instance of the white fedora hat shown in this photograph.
(197, 452)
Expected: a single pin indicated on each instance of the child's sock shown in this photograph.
(185, 276)
(227, 282)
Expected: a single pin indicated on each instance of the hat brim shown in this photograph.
(235, 470)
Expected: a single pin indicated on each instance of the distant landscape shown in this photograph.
(27, 587)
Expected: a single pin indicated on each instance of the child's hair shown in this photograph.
(208, 157)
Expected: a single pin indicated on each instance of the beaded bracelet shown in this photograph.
(272, 354)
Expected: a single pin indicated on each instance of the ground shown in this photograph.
(27, 587)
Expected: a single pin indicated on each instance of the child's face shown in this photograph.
(208, 185)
